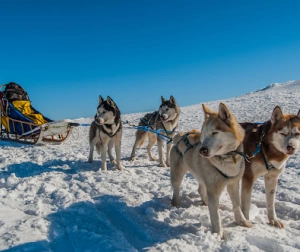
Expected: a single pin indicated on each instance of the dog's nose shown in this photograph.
(203, 151)
(290, 148)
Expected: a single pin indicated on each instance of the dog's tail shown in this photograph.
(143, 140)
(182, 140)
(177, 137)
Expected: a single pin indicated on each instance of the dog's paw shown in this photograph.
(152, 158)
(246, 223)
(220, 233)
(168, 164)
(162, 164)
(113, 162)
(90, 161)
(276, 223)
(120, 167)
(174, 203)
(132, 158)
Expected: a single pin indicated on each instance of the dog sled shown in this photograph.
(20, 122)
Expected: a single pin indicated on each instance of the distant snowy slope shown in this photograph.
(257, 106)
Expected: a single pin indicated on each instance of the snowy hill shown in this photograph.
(51, 199)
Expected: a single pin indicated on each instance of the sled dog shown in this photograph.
(105, 132)
(269, 146)
(165, 119)
(215, 158)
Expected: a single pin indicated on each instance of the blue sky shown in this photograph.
(66, 53)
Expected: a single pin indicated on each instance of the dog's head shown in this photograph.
(168, 109)
(107, 111)
(285, 131)
(221, 133)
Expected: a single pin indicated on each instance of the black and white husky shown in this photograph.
(165, 119)
(106, 131)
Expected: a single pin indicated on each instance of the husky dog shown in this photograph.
(269, 146)
(215, 158)
(105, 131)
(165, 119)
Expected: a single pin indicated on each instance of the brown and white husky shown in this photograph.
(215, 158)
(269, 146)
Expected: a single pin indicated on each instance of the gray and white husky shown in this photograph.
(106, 131)
(166, 119)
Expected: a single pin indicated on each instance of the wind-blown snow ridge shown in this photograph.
(286, 85)
(51, 199)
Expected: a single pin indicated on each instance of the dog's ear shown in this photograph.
(101, 100)
(206, 110)
(224, 113)
(172, 99)
(276, 115)
(162, 99)
(110, 101)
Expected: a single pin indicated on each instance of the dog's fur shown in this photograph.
(279, 138)
(166, 119)
(209, 157)
(106, 131)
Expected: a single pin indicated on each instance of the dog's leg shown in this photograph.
(92, 146)
(213, 196)
(203, 193)
(271, 182)
(110, 147)
(103, 150)
(169, 145)
(151, 142)
(139, 140)
(233, 191)
(118, 153)
(177, 172)
(247, 186)
(160, 152)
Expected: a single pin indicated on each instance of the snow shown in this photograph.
(52, 199)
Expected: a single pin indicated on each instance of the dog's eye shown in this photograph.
(283, 134)
(214, 133)
(103, 112)
(297, 134)
(167, 109)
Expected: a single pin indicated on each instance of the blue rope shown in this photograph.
(158, 132)
(148, 128)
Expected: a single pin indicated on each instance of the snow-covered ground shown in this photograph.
(52, 199)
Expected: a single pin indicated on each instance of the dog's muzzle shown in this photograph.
(99, 121)
(164, 117)
(203, 151)
(290, 150)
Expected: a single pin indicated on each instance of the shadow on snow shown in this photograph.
(107, 224)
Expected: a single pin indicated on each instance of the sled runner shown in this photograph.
(20, 122)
